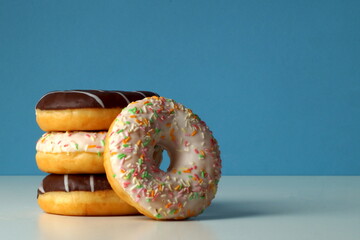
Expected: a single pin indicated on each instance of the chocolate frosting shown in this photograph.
(72, 99)
(74, 182)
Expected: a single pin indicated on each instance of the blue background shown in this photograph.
(278, 82)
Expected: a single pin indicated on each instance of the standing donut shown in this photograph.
(189, 184)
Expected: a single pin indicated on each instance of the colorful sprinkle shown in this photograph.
(146, 142)
(122, 155)
(133, 110)
(194, 133)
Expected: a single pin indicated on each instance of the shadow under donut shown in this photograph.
(111, 227)
(251, 208)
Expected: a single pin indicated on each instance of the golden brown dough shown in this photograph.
(85, 119)
(70, 163)
(82, 203)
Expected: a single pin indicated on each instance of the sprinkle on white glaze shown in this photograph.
(66, 142)
(190, 184)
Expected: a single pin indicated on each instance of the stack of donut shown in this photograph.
(76, 123)
(103, 150)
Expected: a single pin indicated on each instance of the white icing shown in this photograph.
(143, 94)
(66, 183)
(190, 183)
(123, 95)
(93, 96)
(91, 180)
(41, 187)
(47, 94)
(65, 142)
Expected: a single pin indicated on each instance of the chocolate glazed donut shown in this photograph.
(71, 99)
(73, 182)
(80, 194)
(83, 110)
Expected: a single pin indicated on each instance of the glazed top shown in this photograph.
(72, 99)
(74, 182)
(60, 142)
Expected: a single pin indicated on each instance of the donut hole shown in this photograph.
(161, 158)
(165, 163)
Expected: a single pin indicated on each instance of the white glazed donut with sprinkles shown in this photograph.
(189, 184)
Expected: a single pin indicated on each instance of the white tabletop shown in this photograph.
(245, 208)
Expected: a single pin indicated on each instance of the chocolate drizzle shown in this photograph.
(74, 182)
(72, 99)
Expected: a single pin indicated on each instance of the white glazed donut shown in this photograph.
(71, 152)
(77, 141)
(74, 152)
(191, 180)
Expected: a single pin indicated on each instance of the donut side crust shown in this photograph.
(70, 163)
(82, 203)
(82, 119)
